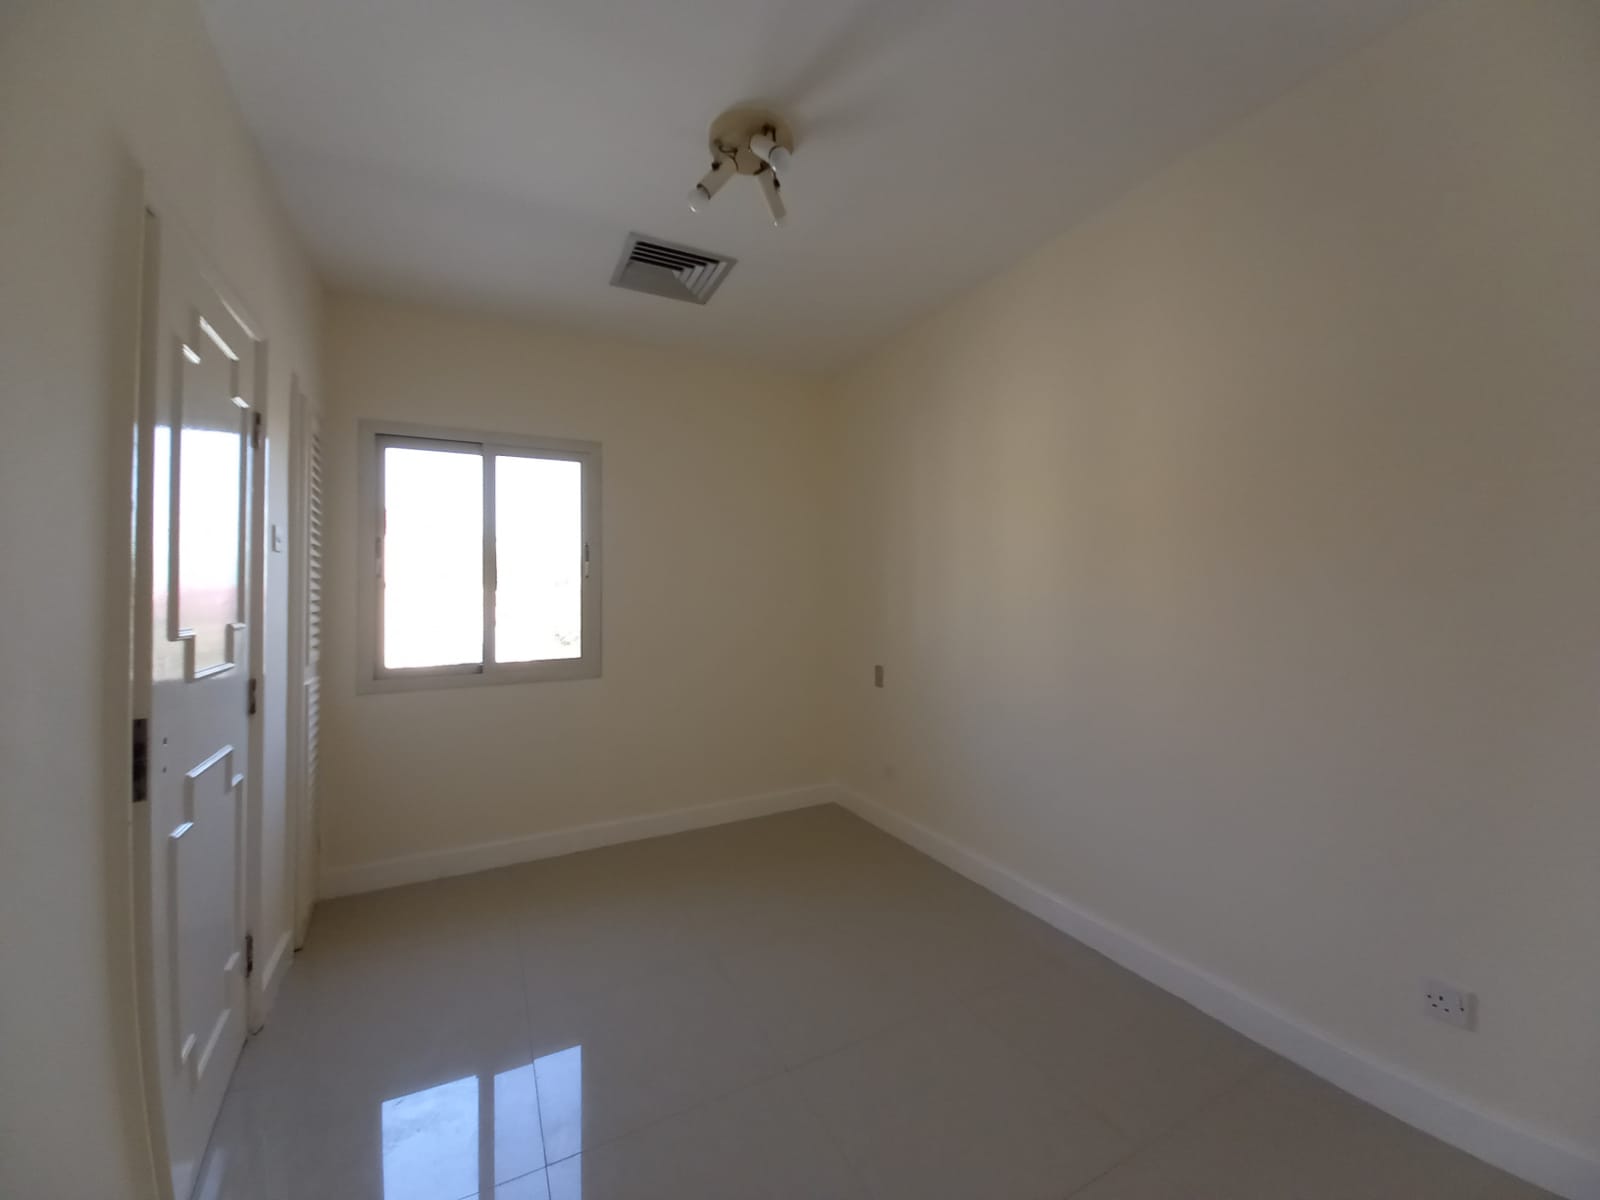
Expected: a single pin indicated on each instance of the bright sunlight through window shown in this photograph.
(485, 558)
(433, 558)
(538, 536)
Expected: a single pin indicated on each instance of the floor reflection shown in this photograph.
(565, 1179)
(430, 1142)
(561, 1102)
(516, 1112)
(486, 1137)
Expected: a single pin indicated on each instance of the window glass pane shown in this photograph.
(432, 557)
(208, 538)
(538, 526)
(210, 501)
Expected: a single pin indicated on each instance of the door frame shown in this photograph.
(155, 217)
(257, 979)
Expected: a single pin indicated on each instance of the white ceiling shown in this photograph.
(495, 153)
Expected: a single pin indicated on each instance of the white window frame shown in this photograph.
(371, 675)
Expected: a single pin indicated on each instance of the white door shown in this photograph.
(194, 468)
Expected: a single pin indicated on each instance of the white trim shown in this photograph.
(484, 856)
(272, 973)
(258, 595)
(1561, 1167)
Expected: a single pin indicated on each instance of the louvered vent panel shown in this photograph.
(665, 269)
(311, 680)
(313, 731)
(314, 552)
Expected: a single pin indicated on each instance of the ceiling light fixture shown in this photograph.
(748, 141)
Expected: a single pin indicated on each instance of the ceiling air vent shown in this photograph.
(665, 269)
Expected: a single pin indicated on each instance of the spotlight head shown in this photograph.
(772, 192)
(722, 169)
(769, 150)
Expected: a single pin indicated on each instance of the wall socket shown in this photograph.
(1450, 1004)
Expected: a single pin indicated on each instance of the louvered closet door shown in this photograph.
(308, 643)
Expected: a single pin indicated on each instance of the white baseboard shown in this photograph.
(275, 962)
(1563, 1168)
(485, 856)
(270, 970)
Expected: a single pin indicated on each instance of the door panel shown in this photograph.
(195, 463)
(206, 849)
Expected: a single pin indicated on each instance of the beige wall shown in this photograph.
(711, 545)
(1235, 559)
(90, 91)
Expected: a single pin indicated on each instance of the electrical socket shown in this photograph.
(1450, 1004)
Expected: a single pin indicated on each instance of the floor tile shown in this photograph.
(816, 992)
(533, 1186)
(1284, 1135)
(758, 1144)
(796, 1006)
(265, 1149)
(941, 1107)
(873, 964)
(1116, 1044)
(393, 1035)
(612, 1061)
(358, 1026)
(590, 921)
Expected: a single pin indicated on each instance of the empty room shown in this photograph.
(807, 599)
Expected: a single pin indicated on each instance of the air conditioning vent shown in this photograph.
(666, 269)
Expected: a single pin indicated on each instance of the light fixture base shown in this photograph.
(731, 133)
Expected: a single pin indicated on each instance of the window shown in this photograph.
(481, 558)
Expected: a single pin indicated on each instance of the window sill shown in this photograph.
(424, 679)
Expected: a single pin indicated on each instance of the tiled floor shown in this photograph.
(791, 1007)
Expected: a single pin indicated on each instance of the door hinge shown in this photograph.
(249, 955)
(586, 560)
(255, 431)
(250, 704)
(141, 759)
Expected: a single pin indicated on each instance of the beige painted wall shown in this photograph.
(1235, 559)
(712, 551)
(90, 91)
